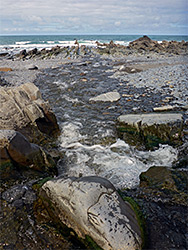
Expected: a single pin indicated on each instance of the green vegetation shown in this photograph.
(139, 216)
(90, 243)
(39, 184)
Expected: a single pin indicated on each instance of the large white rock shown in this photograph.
(91, 206)
(106, 97)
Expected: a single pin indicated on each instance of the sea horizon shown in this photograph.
(15, 43)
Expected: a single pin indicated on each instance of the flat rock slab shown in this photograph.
(91, 206)
(106, 97)
(150, 119)
(161, 128)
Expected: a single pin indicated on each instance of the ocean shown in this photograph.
(15, 43)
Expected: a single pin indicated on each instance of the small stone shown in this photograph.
(135, 108)
(163, 108)
(32, 67)
(122, 68)
(84, 80)
(185, 107)
(107, 97)
(126, 95)
(5, 69)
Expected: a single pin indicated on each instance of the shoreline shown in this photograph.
(144, 80)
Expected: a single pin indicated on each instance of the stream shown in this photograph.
(88, 138)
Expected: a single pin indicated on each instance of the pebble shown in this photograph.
(32, 67)
(163, 108)
(5, 69)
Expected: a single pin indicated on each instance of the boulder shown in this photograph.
(15, 148)
(167, 183)
(143, 43)
(106, 97)
(33, 52)
(23, 107)
(151, 129)
(22, 54)
(92, 207)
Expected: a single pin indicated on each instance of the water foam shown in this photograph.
(118, 162)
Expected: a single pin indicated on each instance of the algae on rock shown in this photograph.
(151, 130)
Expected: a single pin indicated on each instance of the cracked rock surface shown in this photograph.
(91, 206)
(22, 106)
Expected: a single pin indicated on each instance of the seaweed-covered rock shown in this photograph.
(16, 149)
(23, 106)
(168, 183)
(151, 129)
(92, 207)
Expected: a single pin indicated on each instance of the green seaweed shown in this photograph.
(6, 169)
(90, 243)
(139, 216)
(40, 183)
(44, 204)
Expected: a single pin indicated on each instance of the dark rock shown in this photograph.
(3, 82)
(13, 194)
(170, 184)
(2, 54)
(16, 148)
(33, 52)
(182, 161)
(23, 54)
(32, 67)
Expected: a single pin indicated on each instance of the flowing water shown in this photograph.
(88, 130)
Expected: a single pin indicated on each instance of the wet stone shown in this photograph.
(91, 206)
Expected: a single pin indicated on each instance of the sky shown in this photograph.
(151, 17)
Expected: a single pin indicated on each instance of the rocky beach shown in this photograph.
(94, 146)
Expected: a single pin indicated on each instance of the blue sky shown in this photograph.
(94, 17)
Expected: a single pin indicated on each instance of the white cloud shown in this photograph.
(118, 23)
(34, 18)
(106, 16)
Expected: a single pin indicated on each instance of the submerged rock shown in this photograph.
(106, 97)
(151, 129)
(92, 207)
